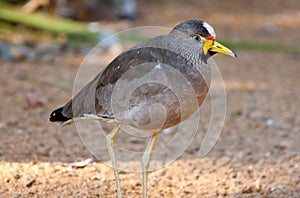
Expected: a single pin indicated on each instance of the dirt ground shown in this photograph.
(257, 154)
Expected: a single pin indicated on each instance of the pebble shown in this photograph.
(6, 180)
(280, 188)
(17, 176)
(247, 190)
(29, 181)
(18, 53)
(282, 145)
(34, 100)
(267, 154)
(221, 192)
(136, 140)
(258, 185)
(256, 115)
(283, 134)
(272, 123)
(127, 9)
(81, 164)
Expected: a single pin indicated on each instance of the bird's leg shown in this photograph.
(109, 142)
(146, 160)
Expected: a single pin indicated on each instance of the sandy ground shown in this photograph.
(257, 154)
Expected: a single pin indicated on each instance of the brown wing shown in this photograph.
(95, 97)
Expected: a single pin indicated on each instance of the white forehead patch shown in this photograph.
(210, 29)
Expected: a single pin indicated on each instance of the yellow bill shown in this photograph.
(214, 46)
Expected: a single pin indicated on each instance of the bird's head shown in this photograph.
(202, 33)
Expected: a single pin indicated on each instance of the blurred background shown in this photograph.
(42, 44)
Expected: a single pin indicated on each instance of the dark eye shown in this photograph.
(196, 38)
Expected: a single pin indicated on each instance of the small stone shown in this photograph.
(69, 169)
(29, 181)
(234, 176)
(281, 189)
(257, 185)
(280, 146)
(81, 164)
(221, 192)
(267, 154)
(283, 134)
(18, 52)
(136, 140)
(34, 100)
(256, 115)
(272, 123)
(188, 190)
(98, 177)
(17, 176)
(247, 190)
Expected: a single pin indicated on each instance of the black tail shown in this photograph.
(57, 116)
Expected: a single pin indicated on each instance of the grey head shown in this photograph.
(192, 27)
(186, 39)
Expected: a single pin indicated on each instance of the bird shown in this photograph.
(128, 88)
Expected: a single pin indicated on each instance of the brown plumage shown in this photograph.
(170, 71)
(176, 49)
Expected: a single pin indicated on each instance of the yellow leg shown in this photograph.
(110, 143)
(146, 160)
